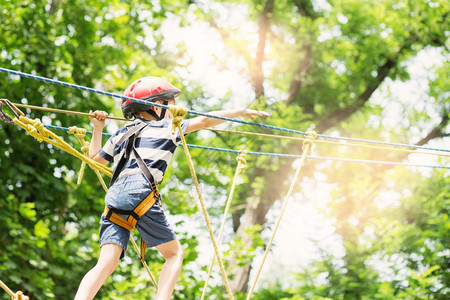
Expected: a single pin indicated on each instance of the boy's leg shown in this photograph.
(94, 279)
(173, 253)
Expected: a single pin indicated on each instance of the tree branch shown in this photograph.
(53, 6)
(297, 83)
(437, 132)
(305, 8)
(340, 115)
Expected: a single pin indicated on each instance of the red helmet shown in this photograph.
(149, 89)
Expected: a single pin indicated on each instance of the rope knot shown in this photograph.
(20, 296)
(39, 127)
(78, 132)
(27, 124)
(72, 129)
(85, 148)
(309, 142)
(178, 113)
(242, 162)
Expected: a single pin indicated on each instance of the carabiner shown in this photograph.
(4, 116)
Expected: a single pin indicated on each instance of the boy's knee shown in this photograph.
(109, 258)
(171, 251)
(177, 253)
(107, 267)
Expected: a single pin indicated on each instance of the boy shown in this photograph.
(140, 161)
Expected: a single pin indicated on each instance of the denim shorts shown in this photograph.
(126, 193)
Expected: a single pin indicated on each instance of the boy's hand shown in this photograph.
(98, 120)
(250, 113)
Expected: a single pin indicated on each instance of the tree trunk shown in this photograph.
(255, 214)
(257, 74)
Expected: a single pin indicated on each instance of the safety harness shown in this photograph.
(134, 215)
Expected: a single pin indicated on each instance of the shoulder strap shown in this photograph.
(131, 131)
(144, 169)
(130, 136)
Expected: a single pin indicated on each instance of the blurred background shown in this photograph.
(362, 69)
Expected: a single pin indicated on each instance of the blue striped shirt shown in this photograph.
(155, 144)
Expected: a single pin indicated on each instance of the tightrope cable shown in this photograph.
(319, 157)
(290, 155)
(192, 112)
(339, 143)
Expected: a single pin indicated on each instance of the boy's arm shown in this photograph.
(96, 142)
(206, 122)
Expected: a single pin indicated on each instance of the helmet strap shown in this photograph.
(153, 114)
(163, 112)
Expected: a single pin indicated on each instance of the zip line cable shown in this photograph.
(286, 155)
(250, 152)
(326, 142)
(192, 112)
(114, 95)
(240, 132)
(306, 153)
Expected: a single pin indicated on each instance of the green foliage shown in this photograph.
(320, 62)
(405, 258)
(49, 226)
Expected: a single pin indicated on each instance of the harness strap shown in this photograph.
(131, 131)
(134, 216)
(143, 247)
(130, 136)
(144, 169)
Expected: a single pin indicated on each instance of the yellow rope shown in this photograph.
(80, 133)
(436, 152)
(307, 145)
(152, 278)
(242, 165)
(37, 130)
(66, 111)
(393, 148)
(176, 111)
(14, 296)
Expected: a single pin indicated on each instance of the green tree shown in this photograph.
(318, 67)
(48, 225)
(312, 64)
(397, 249)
